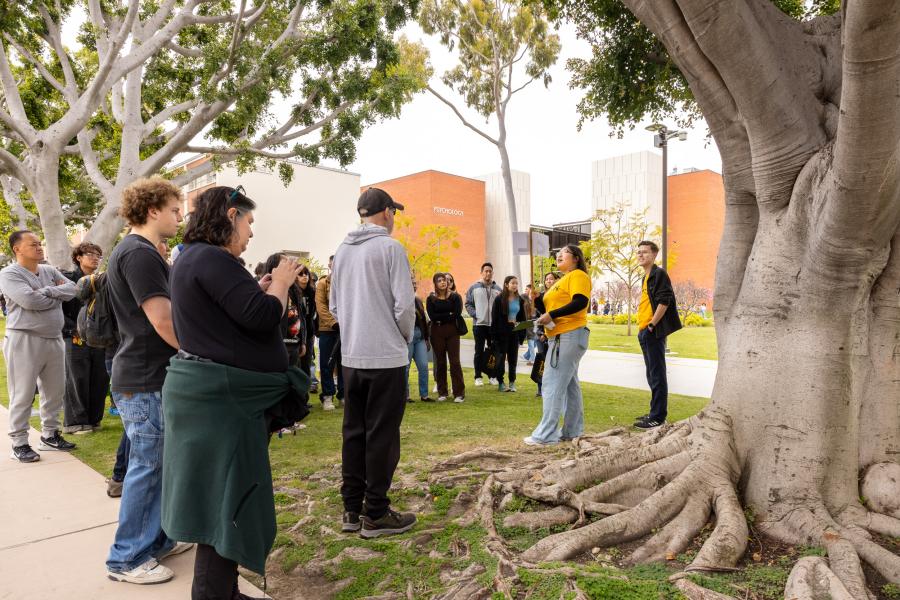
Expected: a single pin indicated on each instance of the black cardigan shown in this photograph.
(501, 328)
(438, 310)
(659, 290)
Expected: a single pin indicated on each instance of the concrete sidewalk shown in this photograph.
(688, 376)
(56, 526)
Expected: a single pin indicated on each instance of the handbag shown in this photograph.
(488, 364)
(461, 327)
(537, 370)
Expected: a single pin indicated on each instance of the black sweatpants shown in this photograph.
(374, 402)
(215, 578)
(87, 383)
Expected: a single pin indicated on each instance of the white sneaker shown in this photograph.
(459, 399)
(177, 549)
(479, 382)
(530, 441)
(512, 388)
(493, 381)
(327, 403)
(148, 573)
(442, 398)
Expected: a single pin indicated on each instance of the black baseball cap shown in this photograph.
(373, 201)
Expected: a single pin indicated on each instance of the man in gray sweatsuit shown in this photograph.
(373, 299)
(33, 348)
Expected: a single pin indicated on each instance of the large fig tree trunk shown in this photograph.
(807, 396)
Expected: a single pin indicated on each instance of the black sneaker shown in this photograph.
(647, 423)
(25, 454)
(55, 443)
(350, 523)
(392, 523)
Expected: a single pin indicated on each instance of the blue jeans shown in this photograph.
(654, 350)
(561, 390)
(139, 536)
(530, 353)
(327, 364)
(418, 352)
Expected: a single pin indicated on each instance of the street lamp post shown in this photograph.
(661, 140)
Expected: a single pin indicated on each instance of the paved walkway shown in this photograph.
(688, 376)
(56, 526)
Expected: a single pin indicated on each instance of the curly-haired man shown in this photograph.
(138, 281)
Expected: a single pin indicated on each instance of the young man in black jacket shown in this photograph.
(657, 318)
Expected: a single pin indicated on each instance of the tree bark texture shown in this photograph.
(806, 116)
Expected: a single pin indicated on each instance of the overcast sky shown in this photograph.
(543, 141)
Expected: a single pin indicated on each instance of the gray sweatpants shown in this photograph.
(30, 361)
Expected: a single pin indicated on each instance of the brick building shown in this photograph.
(436, 198)
(696, 220)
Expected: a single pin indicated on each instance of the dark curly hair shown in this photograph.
(144, 194)
(209, 222)
(84, 248)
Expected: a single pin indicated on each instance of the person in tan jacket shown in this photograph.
(329, 345)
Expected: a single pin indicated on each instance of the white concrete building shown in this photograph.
(309, 218)
(635, 179)
(498, 239)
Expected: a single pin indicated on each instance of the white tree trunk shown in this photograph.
(45, 190)
(506, 171)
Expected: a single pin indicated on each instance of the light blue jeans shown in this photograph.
(530, 353)
(561, 389)
(139, 536)
(418, 351)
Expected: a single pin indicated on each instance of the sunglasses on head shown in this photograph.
(234, 193)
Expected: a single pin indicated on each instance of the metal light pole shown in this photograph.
(661, 140)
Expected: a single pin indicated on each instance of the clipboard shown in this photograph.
(524, 325)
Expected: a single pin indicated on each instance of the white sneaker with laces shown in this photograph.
(442, 398)
(493, 381)
(459, 399)
(512, 388)
(479, 382)
(327, 403)
(148, 573)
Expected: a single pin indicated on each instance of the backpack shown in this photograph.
(96, 321)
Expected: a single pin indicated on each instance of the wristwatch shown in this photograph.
(651, 327)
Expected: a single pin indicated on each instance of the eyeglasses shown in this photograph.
(393, 210)
(92, 255)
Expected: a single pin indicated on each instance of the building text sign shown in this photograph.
(453, 212)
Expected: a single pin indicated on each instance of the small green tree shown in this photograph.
(611, 249)
(491, 39)
(428, 250)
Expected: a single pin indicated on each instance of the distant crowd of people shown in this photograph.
(205, 362)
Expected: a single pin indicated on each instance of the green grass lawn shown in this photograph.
(307, 478)
(690, 342)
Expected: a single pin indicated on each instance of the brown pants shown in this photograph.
(445, 343)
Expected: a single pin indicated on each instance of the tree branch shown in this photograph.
(55, 40)
(41, 68)
(19, 121)
(461, 117)
(167, 113)
(866, 199)
(767, 80)
(186, 52)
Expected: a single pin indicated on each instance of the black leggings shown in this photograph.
(215, 578)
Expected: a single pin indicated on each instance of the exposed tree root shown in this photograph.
(696, 592)
(676, 535)
(812, 579)
(667, 484)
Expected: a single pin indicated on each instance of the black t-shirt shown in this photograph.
(137, 273)
(220, 312)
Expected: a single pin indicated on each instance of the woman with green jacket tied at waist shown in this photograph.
(508, 310)
(565, 325)
(221, 389)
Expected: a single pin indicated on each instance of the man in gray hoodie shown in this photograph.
(373, 299)
(34, 349)
(479, 302)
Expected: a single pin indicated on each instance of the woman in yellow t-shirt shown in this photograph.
(565, 325)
